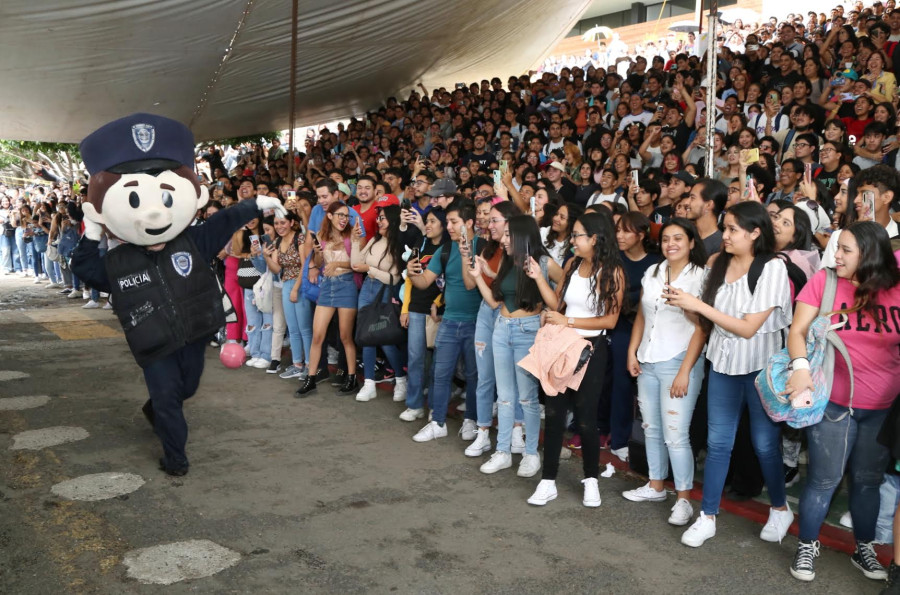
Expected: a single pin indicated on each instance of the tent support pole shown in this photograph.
(293, 93)
(711, 67)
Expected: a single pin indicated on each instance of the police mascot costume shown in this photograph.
(143, 191)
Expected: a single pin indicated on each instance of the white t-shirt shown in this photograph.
(558, 251)
(598, 198)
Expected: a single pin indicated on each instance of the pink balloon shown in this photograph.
(232, 355)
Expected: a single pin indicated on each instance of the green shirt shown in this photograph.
(461, 304)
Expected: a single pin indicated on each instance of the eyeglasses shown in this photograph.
(827, 150)
(380, 218)
(496, 221)
(483, 193)
(580, 235)
(734, 191)
(342, 215)
(802, 145)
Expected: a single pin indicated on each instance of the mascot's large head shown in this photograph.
(143, 188)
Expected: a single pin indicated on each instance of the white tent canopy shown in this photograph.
(223, 66)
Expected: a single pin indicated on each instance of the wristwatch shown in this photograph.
(571, 322)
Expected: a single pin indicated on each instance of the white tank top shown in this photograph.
(578, 302)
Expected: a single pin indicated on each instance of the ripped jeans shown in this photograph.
(259, 329)
(512, 339)
(667, 420)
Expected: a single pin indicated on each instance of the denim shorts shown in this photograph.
(338, 292)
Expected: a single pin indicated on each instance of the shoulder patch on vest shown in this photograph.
(183, 263)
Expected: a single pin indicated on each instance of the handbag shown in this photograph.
(822, 341)
(308, 289)
(53, 251)
(247, 275)
(379, 322)
(262, 292)
(431, 331)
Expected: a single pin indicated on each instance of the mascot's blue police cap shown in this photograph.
(139, 142)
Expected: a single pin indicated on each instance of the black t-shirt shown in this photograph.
(584, 193)
(828, 179)
(484, 159)
(680, 134)
(420, 300)
(661, 214)
(567, 190)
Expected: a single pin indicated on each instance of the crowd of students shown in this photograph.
(577, 200)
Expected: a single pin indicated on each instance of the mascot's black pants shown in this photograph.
(170, 381)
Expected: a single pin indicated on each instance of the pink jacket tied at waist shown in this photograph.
(553, 358)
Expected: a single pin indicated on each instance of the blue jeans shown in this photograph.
(668, 440)
(21, 248)
(484, 359)
(367, 295)
(727, 397)
(453, 338)
(513, 337)
(417, 356)
(834, 443)
(7, 251)
(259, 328)
(298, 317)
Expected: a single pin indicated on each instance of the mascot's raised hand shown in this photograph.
(264, 203)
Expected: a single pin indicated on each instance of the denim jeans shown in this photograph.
(453, 338)
(836, 443)
(7, 251)
(298, 316)
(512, 339)
(23, 249)
(484, 358)
(259, 328)
(727, 397)
(367, 296)
(668, 440)
(417, 356)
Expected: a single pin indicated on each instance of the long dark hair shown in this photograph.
(508, 209)
(697, 255)
(637, 222)
(394, 245)
(573, 212)
(877, 269)
(802, 239)
(606, 264)
(325, 230)
(749, 216)
(525, 239)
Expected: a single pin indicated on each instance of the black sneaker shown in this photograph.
(322, 375)
(351, 384)
(804, 566)
(339, 378)
(791, 476)
(177, 472)
(307, 386)
(382, 373)
(893, 580)
(274, 367)
(865, 559)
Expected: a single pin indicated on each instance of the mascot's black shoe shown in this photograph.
(179, 472)
(147, 410)
(307, 386)
(351, 384)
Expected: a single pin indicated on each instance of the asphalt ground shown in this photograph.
(320, 495)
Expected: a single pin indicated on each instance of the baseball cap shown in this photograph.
(556, 165)
(442, 187)
(685, 177)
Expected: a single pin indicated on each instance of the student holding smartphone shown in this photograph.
(868, 284)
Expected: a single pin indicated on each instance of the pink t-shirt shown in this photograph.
(875, 354)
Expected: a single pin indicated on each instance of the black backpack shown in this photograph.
(795, 273)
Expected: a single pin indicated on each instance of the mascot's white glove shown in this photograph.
(92, 230)
(270, 202)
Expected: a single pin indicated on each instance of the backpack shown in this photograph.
(795, 273)
(821, 342)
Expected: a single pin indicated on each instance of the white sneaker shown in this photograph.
(368, 392)
(545, 492)
(461, 407)
(481, 445)
(54, 285)
(38, 280)
(681, 513)
(846, 520)
(469, 430)
(399, 389)
(499, 460)
(103, 294)
(777, 526)
(431, 431)
(74, 294)
(702, 529)
(412, 414)
(644, 494)
(91, 305)
(85, 295)
(107, 306)
(529, 466)
(261, 363)
(517, 446)
(622, 453)
(251, 363)
(591, 492)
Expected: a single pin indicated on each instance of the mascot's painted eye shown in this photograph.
(134, 200)
(167, 199)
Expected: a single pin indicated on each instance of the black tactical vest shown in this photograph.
(164, 299)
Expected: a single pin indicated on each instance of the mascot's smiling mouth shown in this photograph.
(156, 232)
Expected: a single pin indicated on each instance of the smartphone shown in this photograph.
(220, 185)
(291, 194)
(504, 166)
(752, 156)
(634, 177)
(497, 177)
(660, 108)
(533, 206)
(266, 241)
(254, 241)
(802, 401)
(807, 172)
(405, 204)
(868, 201)
(316, 241)
(460, 85)
(414, 255)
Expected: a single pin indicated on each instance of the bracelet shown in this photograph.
(799, 363)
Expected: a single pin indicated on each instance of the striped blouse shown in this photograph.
(733, 355)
